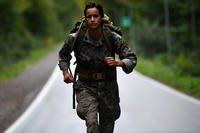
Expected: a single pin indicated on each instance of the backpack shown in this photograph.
(106, 21)
(81, 27)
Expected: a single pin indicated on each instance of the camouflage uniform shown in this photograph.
(96, 88)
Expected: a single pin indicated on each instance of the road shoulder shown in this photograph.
(17, 93)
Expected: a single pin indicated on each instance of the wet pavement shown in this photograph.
(147, 107)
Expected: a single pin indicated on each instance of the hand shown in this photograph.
(110, 61)
(68, 78)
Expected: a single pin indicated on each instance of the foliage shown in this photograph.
(150, 39)
(184, 30)
(170, 75)
(27, 25)
(40, 17)
(67, 12)
(10, 71)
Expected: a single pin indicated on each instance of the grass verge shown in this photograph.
(170, 75)
(12, 70)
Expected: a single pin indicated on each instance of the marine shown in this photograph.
(95, 82)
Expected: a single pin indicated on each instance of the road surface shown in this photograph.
(147, 107)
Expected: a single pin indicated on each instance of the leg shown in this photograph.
(91, 122)
(106, 126)
(87, 109)
(109, 109)
(106, 121)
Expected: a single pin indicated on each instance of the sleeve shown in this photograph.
(65, 52)
(125, 53)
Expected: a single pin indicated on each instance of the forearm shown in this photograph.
(65, 71)
(63, 65)
(68, 77)
(65, 53)
(119, 63)
(129, 64)
(126, 55)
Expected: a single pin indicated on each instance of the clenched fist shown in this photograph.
(68, 77)
(110, 61)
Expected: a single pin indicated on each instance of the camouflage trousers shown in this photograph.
(98, 105)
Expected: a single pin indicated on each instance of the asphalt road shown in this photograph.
(17, 93)
(147, 107)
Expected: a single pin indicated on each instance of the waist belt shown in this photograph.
(96, 76)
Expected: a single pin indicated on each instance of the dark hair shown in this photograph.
(92, 5)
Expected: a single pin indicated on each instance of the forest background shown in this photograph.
(163, 33)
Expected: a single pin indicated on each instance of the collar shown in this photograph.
(87, 39)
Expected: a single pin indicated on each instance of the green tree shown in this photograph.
(41, 17)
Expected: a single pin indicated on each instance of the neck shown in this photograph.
(95, 33)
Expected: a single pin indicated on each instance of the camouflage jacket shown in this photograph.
(90, 53)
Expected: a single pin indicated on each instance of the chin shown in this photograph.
(93, 28)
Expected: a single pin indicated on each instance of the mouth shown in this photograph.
(93, 24)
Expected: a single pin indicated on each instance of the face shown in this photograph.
(93, 18)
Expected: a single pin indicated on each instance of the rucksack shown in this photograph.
(81, 27)
(106, 20)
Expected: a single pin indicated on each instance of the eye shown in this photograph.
(89, 17)
(95, 16)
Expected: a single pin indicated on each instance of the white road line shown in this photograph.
(166, 88)
(21, 122)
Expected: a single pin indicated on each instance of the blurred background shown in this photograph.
(163, 33)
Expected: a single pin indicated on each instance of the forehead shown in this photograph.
(91, 11)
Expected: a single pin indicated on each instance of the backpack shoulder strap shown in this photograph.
(79, 39)
(107, 34)
(77, 42)
(77, 30)
(108, 37)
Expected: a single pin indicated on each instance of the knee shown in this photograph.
(91, 118)
(92, 123)
(81, 112)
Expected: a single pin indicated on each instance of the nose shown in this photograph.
(92, 18)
